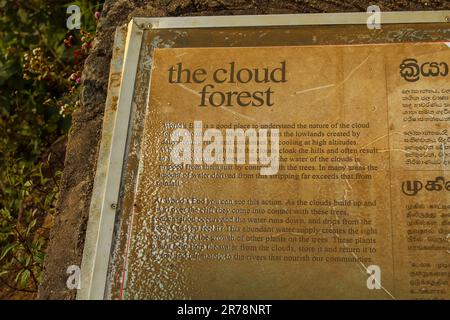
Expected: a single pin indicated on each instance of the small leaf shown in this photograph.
(23, 281)
(6, 249)
(39, 257)
(4, 272)
(16, 279)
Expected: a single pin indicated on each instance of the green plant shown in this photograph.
(27, 203)
(40, 69)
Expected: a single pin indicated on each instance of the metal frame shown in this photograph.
(310, 19)
(110, 163)
(107, 182)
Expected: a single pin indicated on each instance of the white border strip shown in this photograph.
(292, 19)
(108, 178)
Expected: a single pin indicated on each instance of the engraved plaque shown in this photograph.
(260, 163)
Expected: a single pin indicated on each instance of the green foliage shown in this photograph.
(40, 69)
(27, 199)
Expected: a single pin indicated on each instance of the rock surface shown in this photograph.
(67, 238)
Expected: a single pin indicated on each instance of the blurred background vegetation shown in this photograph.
(40, 73)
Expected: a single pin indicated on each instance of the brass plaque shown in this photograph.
(288, 172)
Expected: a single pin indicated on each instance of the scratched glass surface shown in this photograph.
(324, 219)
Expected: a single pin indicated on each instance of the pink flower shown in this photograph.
(97, 15)
(78, 81)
